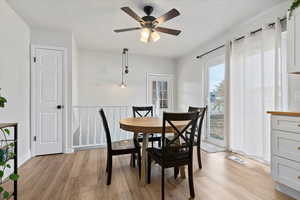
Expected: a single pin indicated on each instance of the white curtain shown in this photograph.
(255, 87)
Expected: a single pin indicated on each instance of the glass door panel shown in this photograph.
(160, 92)
(215, 86)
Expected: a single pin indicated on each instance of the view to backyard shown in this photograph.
(216, 104)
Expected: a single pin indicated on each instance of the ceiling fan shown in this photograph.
(150, 25)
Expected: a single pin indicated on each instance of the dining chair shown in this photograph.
(197, 137)
(172, 154)
(146, 111)
(118, 148)
(197, 142)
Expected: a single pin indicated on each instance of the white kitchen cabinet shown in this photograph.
(294, 42)
(285, 152)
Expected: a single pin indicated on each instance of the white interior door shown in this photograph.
(47, 100)
(160, 92)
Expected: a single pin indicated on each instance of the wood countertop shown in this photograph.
(286, 113)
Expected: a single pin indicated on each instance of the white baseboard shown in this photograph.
(89, 147)
(23, 159)
(69, 150)
(288, 191)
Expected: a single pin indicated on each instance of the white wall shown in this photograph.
(100, 76)
(75, 74)
(51, 38)
(294, 92)
(14, 75)
(189, 68)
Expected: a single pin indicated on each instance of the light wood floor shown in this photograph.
(82, 176)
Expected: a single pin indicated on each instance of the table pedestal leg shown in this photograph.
(182, 172)
(144, 160)
(182, 168)
(135, 138)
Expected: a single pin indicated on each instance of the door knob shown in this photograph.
(59, 107)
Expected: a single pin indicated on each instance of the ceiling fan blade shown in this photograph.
(127, 29)
(168, 30)
(169, 15)
(132, 14)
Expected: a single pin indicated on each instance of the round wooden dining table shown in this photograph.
(146, 126)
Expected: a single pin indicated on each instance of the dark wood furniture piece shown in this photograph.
(197, 137)
(172, 154)
(146, 111)
(197, 142)
(115, 149)
(147, 126)
(15, 150)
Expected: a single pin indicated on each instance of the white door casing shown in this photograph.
(294, 42)
(47, 95)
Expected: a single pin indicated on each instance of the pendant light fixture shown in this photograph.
(125, 69)
(150, 25)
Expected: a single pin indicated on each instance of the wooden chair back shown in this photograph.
(106, 129)
(146, 111)
(202, 111)
(170, 118)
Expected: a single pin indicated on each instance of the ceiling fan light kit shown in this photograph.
(155, 36)
(149, 24)
(145, 35)
(148, 35)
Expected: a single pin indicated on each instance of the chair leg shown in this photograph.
(107, 161)
(191, 182)
(149, 170)
(139, 158)
(152, 142)
(159, 143)
(162, 183)
(133, 160)
(176, 172)
(199, 156)
(106, 170)
(109, 170)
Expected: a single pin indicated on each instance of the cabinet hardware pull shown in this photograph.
(298, 148)
(298, 177)
(298, 125)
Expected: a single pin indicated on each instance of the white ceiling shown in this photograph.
(93, 21)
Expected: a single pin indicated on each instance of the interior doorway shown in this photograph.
(47, 116)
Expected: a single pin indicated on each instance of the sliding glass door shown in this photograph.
(215, 100)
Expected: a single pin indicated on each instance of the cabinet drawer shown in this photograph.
(285, 123)
(286, 172)
(287, 145)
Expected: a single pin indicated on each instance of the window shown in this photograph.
(160, 94)
(215, 99)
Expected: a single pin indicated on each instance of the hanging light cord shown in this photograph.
(124, 65)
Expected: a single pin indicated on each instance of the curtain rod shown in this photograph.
(239, 38)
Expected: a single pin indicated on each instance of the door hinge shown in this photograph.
(34, 138)
(34, 59)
